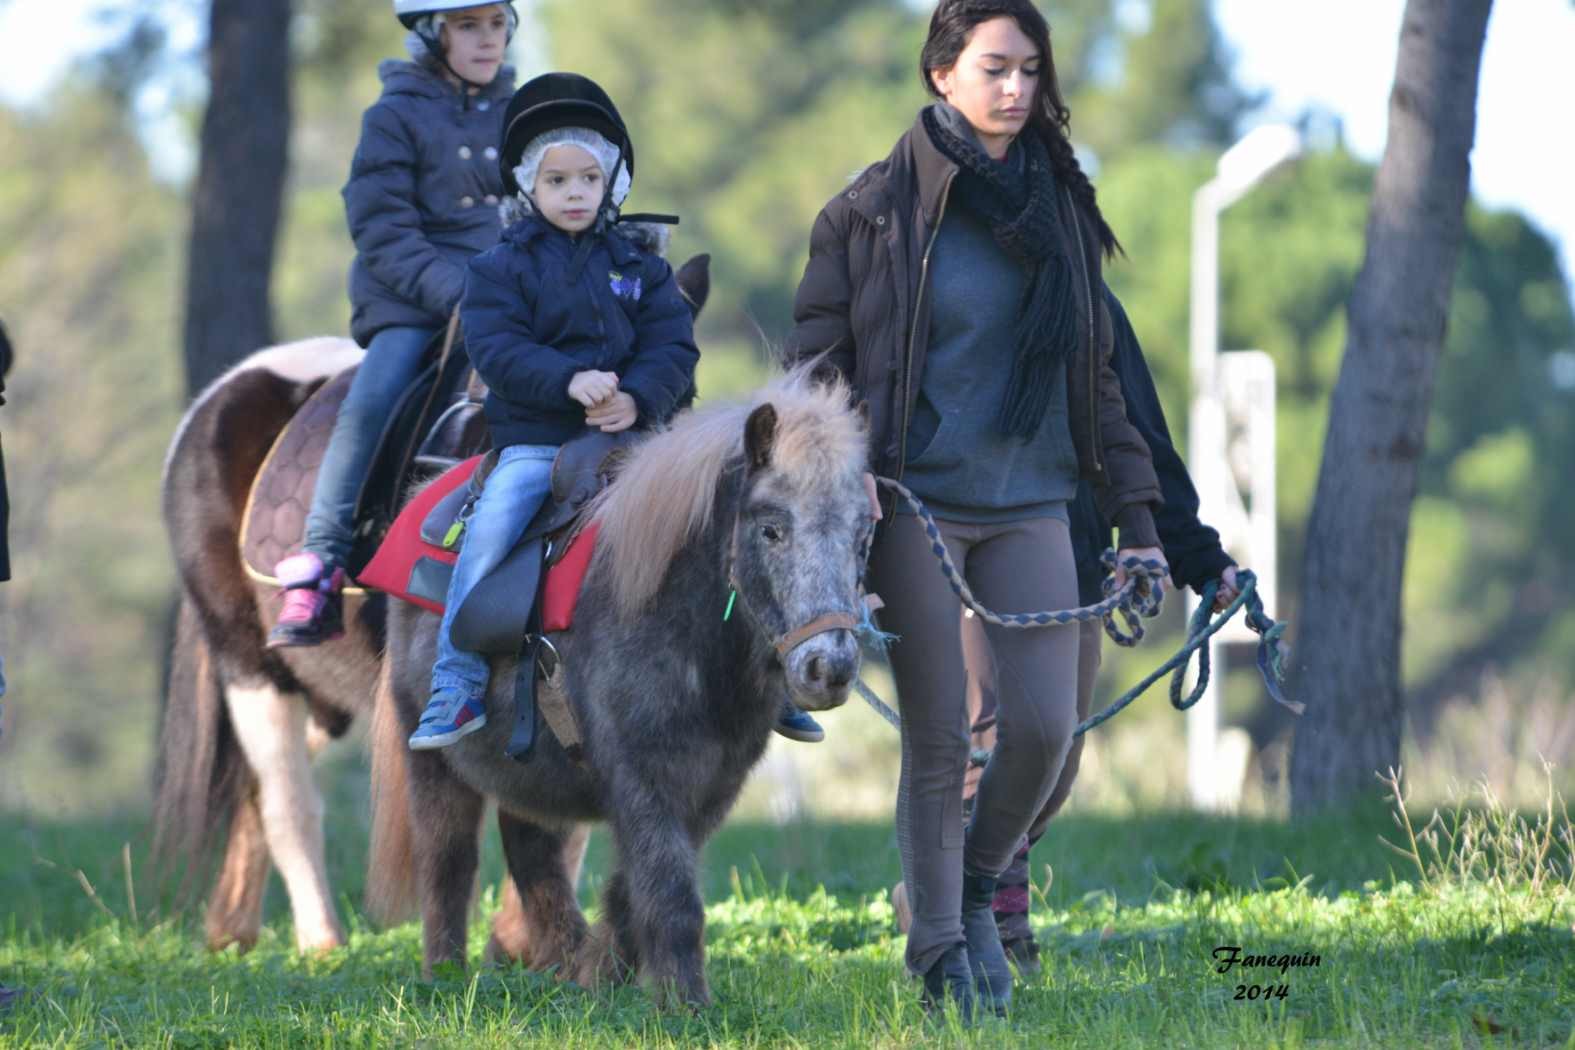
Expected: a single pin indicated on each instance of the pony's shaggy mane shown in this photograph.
(666, 490)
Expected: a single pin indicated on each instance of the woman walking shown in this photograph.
(957, 285)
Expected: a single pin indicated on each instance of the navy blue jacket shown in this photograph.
(529, 328)
(1192, 548)
(422, 196)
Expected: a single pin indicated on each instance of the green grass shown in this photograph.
(802, 951)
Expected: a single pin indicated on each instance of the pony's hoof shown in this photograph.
(671, 998)
(221, 940)
(596, 964)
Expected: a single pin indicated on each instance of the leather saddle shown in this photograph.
(502, 614)
(495, 613)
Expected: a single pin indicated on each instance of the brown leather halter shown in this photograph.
(822, 624)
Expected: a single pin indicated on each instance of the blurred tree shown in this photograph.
(1347, 666)
(748, 116)
(1147, 73)
(236, 202)
(88, 265)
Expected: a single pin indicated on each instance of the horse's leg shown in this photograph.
(664, 914)
(235, 909)
(272, 729)
(540, 923)
(445, 822)
(609, 954)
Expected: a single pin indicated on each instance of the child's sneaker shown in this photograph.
(795, 724)
(449, 716)
(313, 611)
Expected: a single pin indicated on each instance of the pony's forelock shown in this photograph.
(666, 491)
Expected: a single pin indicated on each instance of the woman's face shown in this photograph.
(474, 39)
(994, 82)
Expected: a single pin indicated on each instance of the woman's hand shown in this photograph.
(592, 388)
(1228, 589)
(1142, 554)
(616, 413)
(869, 487)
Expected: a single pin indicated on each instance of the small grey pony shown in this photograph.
(674, 682)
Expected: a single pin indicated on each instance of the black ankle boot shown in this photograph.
(950, 977)
(991, 973)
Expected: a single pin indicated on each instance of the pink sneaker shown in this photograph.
(313, 611)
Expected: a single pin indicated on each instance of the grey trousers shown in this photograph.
(1021, 566)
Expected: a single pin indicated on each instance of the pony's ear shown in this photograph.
(760, 433)
(694, 282)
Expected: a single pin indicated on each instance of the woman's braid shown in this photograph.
(1070, 172)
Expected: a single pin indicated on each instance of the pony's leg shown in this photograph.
(445, 822)
(665, 916)
(272, 729)
(609, 954)
(540, 923)
(235, 909)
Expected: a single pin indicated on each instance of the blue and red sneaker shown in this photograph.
(794, 723)
(449, 716)
(313, 611)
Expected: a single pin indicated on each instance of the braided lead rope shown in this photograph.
(1200, 629)
(1141, 595)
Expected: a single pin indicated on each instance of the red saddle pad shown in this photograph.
(408, 567)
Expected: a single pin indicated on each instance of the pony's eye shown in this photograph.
(772, 533)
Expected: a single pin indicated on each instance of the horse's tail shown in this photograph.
(390, 877)
(201, 774)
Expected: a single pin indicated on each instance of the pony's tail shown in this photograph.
(390, 876)
(200, 774)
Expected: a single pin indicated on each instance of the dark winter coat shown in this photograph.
(529, 327)
(422, 197)
(1191, 547)
(863, 300)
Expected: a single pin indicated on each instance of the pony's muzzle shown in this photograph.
(821, 670)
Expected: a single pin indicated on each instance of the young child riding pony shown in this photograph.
(571, 326)
(422, 198)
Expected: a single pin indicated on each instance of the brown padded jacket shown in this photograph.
(862, 304)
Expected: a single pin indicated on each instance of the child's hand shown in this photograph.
(618, 412)
(590, 388)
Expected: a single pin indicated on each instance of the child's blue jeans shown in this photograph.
(392, 362)
(514, 492)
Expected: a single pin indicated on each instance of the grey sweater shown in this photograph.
(958, 461)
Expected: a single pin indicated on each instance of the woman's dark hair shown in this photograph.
(953, 24)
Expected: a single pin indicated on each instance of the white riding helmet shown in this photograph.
(407, 11)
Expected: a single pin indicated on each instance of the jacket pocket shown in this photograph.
(938, 449)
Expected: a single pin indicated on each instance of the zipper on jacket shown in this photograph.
(1093, 341)
(913, 332)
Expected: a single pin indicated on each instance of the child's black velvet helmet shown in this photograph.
(559, 100)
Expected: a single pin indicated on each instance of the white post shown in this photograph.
(1241, 167)
(1205, 462)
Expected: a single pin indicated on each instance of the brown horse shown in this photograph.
(242, 722)
(726, 576)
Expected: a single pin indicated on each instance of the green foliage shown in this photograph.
(747, 117)
(89, 258)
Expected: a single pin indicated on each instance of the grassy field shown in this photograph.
(1468, 947)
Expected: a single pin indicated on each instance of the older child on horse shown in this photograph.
(421, 200)
(571, 325)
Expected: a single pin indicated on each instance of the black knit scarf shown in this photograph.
(1018, 202)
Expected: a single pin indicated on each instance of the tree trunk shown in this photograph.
(240, 186)
(1347, 661)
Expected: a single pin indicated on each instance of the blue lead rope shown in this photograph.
(1140, 596)
(1202, 627)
